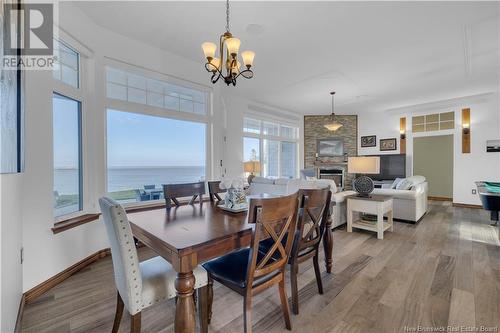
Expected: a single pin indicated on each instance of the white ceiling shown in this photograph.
(376, 55)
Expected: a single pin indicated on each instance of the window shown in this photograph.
(67, 66)
(278, 143)
(145, 152)
(67, 155)
(433, 122)
(126, 86)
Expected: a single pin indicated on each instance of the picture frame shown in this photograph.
(368, 141)
(388, 144)
(330, 147)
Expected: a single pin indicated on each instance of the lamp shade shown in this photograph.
(209, 49)
(233, 45)
(364, 164)
(247, 57)
(251, 166)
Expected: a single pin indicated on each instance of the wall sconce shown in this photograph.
(466, 128)
(402, 135)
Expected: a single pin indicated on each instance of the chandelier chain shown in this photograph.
(227, 15)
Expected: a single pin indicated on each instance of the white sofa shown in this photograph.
(282, 186)
(409, 205)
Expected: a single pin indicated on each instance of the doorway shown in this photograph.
(433, 159)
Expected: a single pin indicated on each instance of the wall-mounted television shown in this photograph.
(392, 166)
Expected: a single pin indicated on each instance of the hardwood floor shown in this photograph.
(443, 271)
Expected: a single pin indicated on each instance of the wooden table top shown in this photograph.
(186, 229)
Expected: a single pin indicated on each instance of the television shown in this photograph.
(392, 166)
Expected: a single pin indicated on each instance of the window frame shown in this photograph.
(261, 136)
(150, 110)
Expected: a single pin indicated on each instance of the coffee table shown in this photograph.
(379, 205)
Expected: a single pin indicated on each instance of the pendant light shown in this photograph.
(333, 125)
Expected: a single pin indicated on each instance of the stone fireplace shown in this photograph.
(329, 166)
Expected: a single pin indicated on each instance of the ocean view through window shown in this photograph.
(67, 155)
(145, 152)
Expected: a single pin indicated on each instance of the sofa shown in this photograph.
(283, 186)
(408, 204)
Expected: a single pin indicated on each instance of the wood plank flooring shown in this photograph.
(443, 271)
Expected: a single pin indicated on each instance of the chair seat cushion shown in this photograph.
(231, 269)
(158, 280)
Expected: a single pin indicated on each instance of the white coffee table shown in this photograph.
(379, 205)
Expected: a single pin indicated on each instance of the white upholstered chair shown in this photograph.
(141, 284)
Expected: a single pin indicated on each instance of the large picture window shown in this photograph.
(67, 155)
(145, 152)
(278, 144)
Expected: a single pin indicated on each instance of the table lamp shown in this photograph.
(363, 165)
(251, 166)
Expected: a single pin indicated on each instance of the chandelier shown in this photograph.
(333, 125)
(228, 67)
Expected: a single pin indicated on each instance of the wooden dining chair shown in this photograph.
(214, 190)
(172, 192)
(249, 271)
(313, 211)
(142, 284)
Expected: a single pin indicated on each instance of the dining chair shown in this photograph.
(313, 211)
(214, 190)
(172, 192)
(142, 284)
(249, 271)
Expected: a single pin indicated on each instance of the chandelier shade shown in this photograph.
(333, 125)
(227, 66)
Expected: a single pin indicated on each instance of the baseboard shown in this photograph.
(19, 319)
(462, 205)
(440, 198)
(45, 286)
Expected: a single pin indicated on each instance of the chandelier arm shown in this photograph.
(245, 71)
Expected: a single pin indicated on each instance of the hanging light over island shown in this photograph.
(227, 66)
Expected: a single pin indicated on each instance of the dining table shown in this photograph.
(189, 235)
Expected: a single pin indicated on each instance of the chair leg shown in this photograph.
(135, 323)
(210, 300)
(247, 313)
(294, 270)
(284, 304)
(318, 274)
(203, 308)
(118, 313)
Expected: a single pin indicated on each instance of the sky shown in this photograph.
(133, 139)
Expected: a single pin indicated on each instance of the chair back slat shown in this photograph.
(276, 219)
(313, 212)
(214, 190)
(173, 191)
(123, 253)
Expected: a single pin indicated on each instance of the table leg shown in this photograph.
(328, 244)
(349, 218)
(380, 224)
(185, 321)
(390, 218)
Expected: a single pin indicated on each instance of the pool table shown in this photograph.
(489, 193)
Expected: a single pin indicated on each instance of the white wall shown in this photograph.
(47, 254)
(478, 165)
(10, 241)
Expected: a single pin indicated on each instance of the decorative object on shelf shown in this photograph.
(235, 198)
(363, 165)
(251, 166)
(388, 144)
(346, 157)
(333, 125)
(228, 57)
(368, 141)
(331, 147)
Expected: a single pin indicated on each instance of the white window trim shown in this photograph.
(261, 136)
(144, 109)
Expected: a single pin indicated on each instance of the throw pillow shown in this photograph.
(404, 185)
(396, 182)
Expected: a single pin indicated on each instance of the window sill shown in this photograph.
(70, 223)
